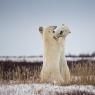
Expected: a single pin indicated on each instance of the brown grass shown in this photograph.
(82, 72)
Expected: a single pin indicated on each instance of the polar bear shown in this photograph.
(62, 32)
(55, 69)
(50, 70)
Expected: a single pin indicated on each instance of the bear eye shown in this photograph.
(53, 32)
(61, 32)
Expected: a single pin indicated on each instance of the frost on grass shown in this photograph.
(46, 89)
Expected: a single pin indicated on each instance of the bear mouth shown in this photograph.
(57, 37)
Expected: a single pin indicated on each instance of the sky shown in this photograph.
(20, 20)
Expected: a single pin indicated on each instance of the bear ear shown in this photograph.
(63, 24)
(41, 29)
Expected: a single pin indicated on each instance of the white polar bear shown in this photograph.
(64, 70)
(53, 56)
(50, 71)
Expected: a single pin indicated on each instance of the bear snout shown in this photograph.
(61, 32)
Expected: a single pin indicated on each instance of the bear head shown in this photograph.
(48, 32)
(62, 31)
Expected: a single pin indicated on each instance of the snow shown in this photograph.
(44, 89)
(80, 58)
(21, 58)
(38, 58)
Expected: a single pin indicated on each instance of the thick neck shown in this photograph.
(51, 51)
(62, 44)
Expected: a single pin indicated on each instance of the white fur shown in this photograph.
(55, 69)
(64, 70)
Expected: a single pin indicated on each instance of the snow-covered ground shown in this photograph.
(46, 89)
(21, 58)
(38, 58)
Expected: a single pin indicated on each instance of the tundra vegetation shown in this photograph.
(20, 76)
(82, 70)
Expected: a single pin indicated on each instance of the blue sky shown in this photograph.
(20, 20)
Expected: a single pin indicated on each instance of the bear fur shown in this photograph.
(64, 70)
(55, 69)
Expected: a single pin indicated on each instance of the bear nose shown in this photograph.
(61, 32)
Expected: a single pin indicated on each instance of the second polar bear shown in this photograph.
(63, 31)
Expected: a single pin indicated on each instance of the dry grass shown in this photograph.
(19, 72)
(82, 72)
